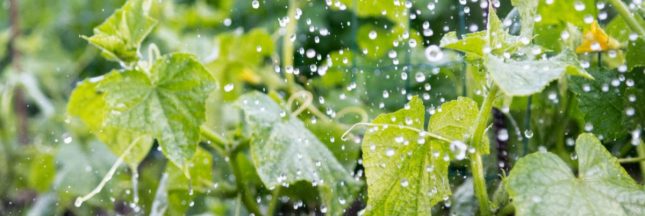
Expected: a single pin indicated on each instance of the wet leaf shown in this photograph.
(167, 104)
(526, 77)
(542, 184)
(120, 36)
(406, 171)
(285, 152)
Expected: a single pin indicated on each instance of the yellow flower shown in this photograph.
(595, 39)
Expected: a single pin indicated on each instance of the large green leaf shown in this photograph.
(120, 36)
(612, 110)
(166, 103)
(285, 152)
(521, 78)
(406, 171)
(542, 184)
(87, 103)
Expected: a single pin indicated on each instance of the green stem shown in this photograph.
(622, 9)
(287, 45)
(214, 140)
(640, 149)
(247, 199)
(275, 197)
(476, 163)
(631, 160)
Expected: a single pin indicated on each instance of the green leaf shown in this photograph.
(179, 186)
(495, 39)
(120, 36)
(455, 121)
(42, 171)
(285, 152)
(605, 106)
(573, 12)
(393, 10)
(528, 11)
(635, 53)
(521, 78)
(87, 103)
(472, 43)
(542, 184)
(406, 172)
(167, 103)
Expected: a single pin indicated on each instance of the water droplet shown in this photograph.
(404, 182)
(229, 87)
(579, 6)
(372, 35)
(502, 135)
(389, 152)
(419, 77)
(433, 53)
(528, 133)
(255, 4)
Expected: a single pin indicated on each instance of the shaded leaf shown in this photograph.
(285, 152)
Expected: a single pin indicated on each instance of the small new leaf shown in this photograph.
(542, 184)
(120, 36)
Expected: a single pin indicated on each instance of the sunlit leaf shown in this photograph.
(120, 36)
(88, 104)
(406, 171)
(166, 103)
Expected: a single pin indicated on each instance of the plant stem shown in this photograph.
(622, 9)
(287, 45)
(476, 163)
(275, 197)
(640, 149)
(246, 197)
(631, 160)
(214, 139)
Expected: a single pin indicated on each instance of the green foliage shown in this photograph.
(220, 107)
(403, 163)
(543, 184)
(285, 152)
(120, 36)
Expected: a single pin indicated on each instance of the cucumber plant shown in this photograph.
(337, 107)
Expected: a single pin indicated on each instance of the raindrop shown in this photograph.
(419, 77)
(579, 6)
(404, 182)
(588, 127)
(503, 135)
(229, 87)
(372, 35)
(434, 53)
(311, 53)
(389, 152)
(255, 4)
(528, 133)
